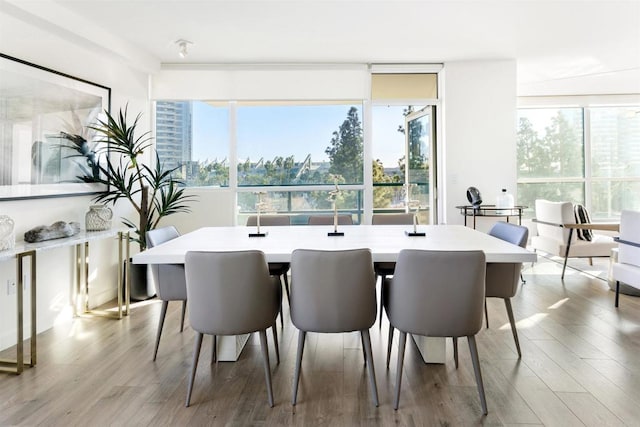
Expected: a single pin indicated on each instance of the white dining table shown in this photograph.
(384, 241)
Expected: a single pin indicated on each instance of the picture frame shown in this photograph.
(46, 145)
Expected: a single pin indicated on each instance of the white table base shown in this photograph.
(432, 349)
(230, 347)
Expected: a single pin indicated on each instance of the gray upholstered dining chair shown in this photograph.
(328, 220)
(437, 294)
(333, 292)
(502, 278)
(279, 269)
(168, 279)
(384, 269)
(231, 293)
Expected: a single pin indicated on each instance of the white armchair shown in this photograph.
(627, 269)
(556, 223)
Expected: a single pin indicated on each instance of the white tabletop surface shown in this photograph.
(384, 241)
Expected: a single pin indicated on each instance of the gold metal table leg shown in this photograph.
(17, 366)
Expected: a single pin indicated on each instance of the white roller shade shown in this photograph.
(261, 82)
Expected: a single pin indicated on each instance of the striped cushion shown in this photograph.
(582, 217)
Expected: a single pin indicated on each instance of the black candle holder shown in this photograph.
(258, 234)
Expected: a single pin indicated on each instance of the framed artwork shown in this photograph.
(46, 146)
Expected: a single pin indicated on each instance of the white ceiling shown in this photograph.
(555, 43)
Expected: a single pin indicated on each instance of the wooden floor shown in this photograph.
(580, 366)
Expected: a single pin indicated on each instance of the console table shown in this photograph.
(80, 241)
(490, 211)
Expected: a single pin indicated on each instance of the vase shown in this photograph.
(98, 218)
(7, 235)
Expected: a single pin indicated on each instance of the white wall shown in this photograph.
(479, 133)
(25, 39)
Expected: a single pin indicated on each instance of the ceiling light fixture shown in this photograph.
(182, 47)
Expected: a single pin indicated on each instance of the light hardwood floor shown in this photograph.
(580, 366)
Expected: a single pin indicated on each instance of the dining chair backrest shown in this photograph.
(630, 232)
(160, 235)
(512, 233)
(332, 291)
(392, 219)
(230, 293)
(269, 220)
(168, 279)
(328, 220)
(437, 293)
(503, 278)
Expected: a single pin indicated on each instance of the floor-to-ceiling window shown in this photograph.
(291, 154)
(403, 142)
(587, 155)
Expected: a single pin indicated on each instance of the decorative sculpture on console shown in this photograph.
(57, 230)
(7, 235)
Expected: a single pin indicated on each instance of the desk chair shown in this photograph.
(231, 293)
(328, 220)
(168, 279)
(502, 278)
(437, 294)
(279, 269)
(333, 292)
(384, 269)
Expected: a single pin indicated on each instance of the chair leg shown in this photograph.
(275, 343)
(267, 369)
(364, 353)
(455, 351)
(184, 311)
(382, 279)
(401, 346)
(389, 343)
(566, 253)
(366, 339)
(486, 313)
(473, 349)
(296, 376)
(617, 295)
(214, 349)
(281, 316)
(163, 313)
(197, 344)
(286, 288)
(590, 261)
(507, 303)
(524, 282)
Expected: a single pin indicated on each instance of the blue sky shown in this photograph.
(267, 132)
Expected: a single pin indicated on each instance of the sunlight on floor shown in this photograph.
(528, 322)
(558, 304)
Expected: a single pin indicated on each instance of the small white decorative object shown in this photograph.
(7, 234)
(98, 218)
(412, 204)
(260, 206)
(333, 198)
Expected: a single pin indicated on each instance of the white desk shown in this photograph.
(384, 241)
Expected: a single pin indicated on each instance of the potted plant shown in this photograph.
(152, 192)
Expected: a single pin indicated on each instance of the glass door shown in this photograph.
(420, 168)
